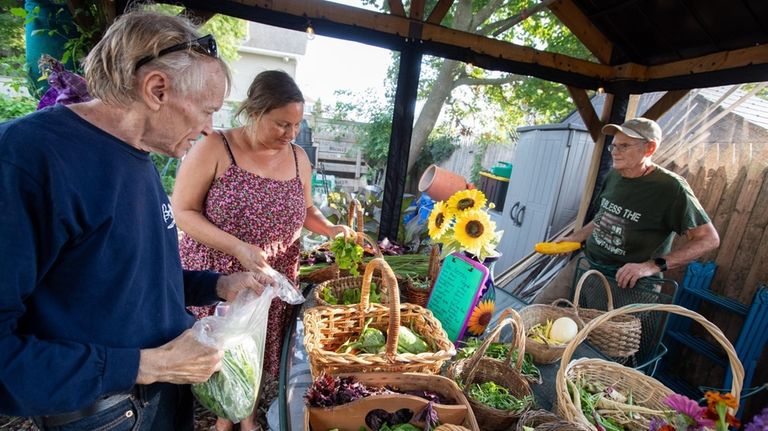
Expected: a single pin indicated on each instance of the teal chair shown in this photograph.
(649, 290)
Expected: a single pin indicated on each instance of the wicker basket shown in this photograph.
(332, 271)
(327, 328)
(648, 393)
(416, 295)
(351, 416)
(479, 369)
(539, 314)
(449, 427)
(543, 420)
(618, 337)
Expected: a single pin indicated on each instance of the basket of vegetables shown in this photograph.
(600, 394)
(549, 328)
(348, 253)
(368, 337)
(543, 420)
(618, 337)
(497, 391)
(385, 401)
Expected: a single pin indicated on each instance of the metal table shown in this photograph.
(287, 413)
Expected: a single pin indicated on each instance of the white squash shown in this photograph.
(563, 330)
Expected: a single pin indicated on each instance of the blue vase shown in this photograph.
(483, 310)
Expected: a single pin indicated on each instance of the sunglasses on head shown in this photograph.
(204, 45)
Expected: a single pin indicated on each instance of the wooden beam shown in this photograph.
(634, 100)
(439, 11)
(594, 166)
(594, 40)
(417, 10)
(586, 111)
(664, 104)
(396, 7)
(708, 63)
(401, 26)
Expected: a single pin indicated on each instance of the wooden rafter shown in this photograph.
(583, 29)
(710, 63)
(396, 6)
(663, 105)
(439, 11)
(417, 10)
(586, 111)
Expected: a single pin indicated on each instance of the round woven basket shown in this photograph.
(339, 285)
(420, 296)
(648, 393)
(535, 314)
(480, 369)
(543, 420)
(327, 328)
(618, 337)
(449, 427)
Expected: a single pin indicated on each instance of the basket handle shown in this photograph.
(515, 321)
(561, 384)
(390, 282)
(434, 265)
(583, 280)
(355, 212)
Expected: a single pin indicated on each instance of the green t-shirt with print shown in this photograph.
(638, 217)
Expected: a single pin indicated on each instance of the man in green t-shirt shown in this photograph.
(640, 208)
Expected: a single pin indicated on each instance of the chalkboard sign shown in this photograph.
(456, 292)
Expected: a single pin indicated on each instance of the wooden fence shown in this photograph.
(738, 207)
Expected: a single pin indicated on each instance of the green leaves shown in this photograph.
(348, 254)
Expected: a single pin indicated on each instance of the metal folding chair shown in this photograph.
(649, 290)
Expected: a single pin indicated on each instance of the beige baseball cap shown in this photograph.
(641, 128)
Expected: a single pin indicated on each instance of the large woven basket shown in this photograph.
(618, 337)
(328, 327)
(480, 369)
(351, 416)
(648, 393)
(543, 420)
(535, 314)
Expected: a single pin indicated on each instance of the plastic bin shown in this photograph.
(495, 188)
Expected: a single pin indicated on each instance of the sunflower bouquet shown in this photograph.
(462, 223)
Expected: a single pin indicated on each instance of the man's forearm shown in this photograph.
(701, 240)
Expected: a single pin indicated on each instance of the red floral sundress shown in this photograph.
(262, 211)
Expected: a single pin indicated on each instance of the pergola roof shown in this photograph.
(639, 46)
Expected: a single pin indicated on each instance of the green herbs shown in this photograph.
(498, 397)
(350, 296)
(231, 392)
(372, 340)
(348, 253)
(500, 351)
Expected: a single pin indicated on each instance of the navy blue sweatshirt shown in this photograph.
(90, 264)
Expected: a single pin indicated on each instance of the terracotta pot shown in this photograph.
(441, 183)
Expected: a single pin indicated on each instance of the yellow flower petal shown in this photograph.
(466, 200)
(439, 221)
(474, 230)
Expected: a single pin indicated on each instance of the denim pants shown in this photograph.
(158, 407)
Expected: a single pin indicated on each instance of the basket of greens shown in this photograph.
(409, 337)
(497, 390)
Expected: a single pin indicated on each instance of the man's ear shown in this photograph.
(154, 89)
(651, 148)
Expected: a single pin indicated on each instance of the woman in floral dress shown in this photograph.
(242, 196)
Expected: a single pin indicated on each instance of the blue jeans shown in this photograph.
(159, 407)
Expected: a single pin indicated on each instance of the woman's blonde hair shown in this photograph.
(110, 67)
(269, 90)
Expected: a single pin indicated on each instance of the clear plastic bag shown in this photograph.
(239, 329)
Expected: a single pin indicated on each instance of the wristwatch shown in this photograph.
(661, 263)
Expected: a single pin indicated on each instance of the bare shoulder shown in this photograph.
(302, 158)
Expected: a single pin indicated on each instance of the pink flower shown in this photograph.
(691, 409)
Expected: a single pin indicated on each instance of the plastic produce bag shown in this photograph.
(240, 331)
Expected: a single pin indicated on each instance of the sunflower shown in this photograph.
(439, 221)
(474, 230)
(466, 200)
(481, 316)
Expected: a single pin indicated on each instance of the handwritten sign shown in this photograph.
(456, 292)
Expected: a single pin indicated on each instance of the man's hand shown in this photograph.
(183, 360)
(228, 286)
(628, 274)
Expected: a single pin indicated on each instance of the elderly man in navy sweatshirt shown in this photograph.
(93, 328)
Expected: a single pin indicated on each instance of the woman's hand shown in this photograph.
(252, 257)
(336, 229)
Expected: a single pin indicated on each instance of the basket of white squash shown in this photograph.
(549, 328)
